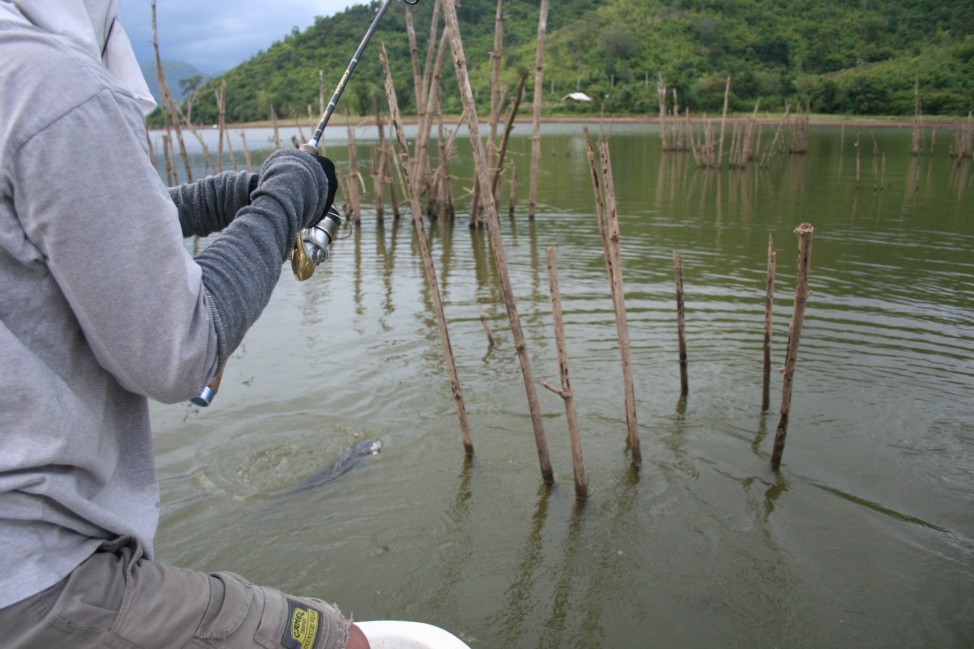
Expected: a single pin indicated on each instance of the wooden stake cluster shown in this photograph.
(745, 145)
(674, 136)
(799, 130)
(802, 294)
(609, 229)
(963, 146)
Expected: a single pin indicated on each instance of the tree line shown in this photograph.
(852, 57)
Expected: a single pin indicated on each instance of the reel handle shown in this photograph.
(208, 393)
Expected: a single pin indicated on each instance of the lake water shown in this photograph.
(863, 538)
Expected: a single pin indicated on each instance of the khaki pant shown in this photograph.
(119, 599)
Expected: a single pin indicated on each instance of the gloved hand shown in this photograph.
(332, 177)
(295, 181)
(329, 168)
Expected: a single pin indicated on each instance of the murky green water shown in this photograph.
(864, 538)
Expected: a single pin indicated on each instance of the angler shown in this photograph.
(103, 308)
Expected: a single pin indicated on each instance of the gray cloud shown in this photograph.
(216, 35)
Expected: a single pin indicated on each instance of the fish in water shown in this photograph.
(349, 459)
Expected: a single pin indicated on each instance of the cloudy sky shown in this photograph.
(215, 35)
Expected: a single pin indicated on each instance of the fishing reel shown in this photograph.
(313, 245)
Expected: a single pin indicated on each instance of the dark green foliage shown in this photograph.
(861, 57)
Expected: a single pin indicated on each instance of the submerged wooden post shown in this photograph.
(723, 125)
(802, 294)
(485, 325)
(565, 392)
(768, 313)
(681, 328)
(512, 199)
(353, 196)
(169, 106)
(248, 160)
(609, 229)
(378, 163)
(538, 100)
(494, 234)
(429, 269)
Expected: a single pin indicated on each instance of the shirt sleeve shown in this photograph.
(91, 202)
(210, 204)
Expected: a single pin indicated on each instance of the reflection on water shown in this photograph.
(863, 538)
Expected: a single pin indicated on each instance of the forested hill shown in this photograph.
(856, 57)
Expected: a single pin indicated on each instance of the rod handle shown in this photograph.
(208, 393)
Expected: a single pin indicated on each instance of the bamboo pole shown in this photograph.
(609, 229)
(443, 187)
(497, 99)
(395, 176)
(433, 108)
(167, 159)
(221, 123)
(233, 157)
(431, 46)
(353, 196)
(379, 163)
(485, 325)
(421, 155)
(768, 315)
(494, 234)
(723, 124)
(802, 294)
(681, 323)
(502, 153)
(538, 100)
(206, 151)
(430, 270)
(248, 160)
(418, 86)
(915, 146)
(665, 143)
(168, 105)
(565, 392)
(512, 199)
(152, 151)
(495, 73)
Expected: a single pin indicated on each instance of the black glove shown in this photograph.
(329, 168)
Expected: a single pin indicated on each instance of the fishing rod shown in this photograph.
(312, 245)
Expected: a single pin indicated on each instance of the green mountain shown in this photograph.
(857, 57)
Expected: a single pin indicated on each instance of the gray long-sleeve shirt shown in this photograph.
(101, 305)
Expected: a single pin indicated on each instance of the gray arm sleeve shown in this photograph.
(242, 266)
(209, 205)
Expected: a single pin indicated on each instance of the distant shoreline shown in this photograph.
(767, 120)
